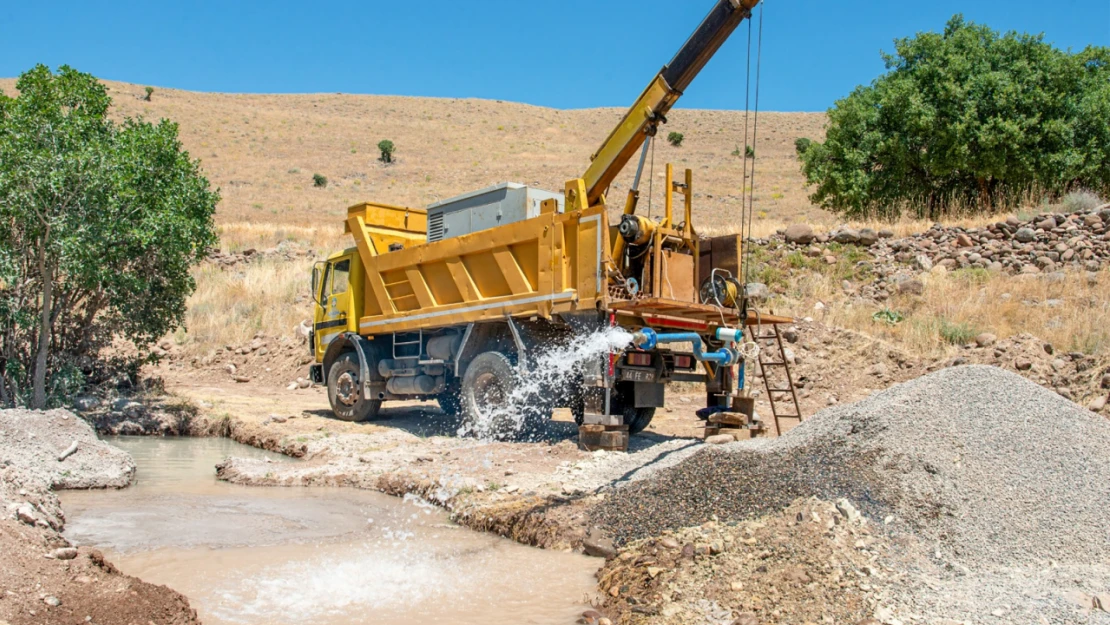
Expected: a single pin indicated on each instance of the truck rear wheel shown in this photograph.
(348, 402)
(486, 398)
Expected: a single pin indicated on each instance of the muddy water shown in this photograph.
(249, 556)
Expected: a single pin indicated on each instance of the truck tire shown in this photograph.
(487, 386)
(348, 402)
(637, 419)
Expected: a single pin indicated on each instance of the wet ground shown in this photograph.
(313, 555)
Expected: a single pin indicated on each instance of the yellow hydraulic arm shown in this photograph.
(653, 104)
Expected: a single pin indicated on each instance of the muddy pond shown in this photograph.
(248, 555)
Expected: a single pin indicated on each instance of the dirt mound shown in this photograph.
(994, 468)
(44, 579)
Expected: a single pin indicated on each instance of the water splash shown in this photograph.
(551, 373)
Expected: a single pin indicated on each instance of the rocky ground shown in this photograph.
(43, 579)
(1046, 244)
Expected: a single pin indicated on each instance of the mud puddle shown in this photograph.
(246, 555)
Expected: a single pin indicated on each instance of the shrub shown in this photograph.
(967, 118)
(1081, 202)
(801, 145)
(100, 224)
(749, 151)
(956, 333)
(675, 138)
(888, 316)
(387, 148)
(149, 92)
(319, 181)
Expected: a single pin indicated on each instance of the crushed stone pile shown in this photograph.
(994, 469)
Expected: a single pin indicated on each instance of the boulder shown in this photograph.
(846, 236)
(986, 339)
(1025, 235)
(868, 237)
(913, 286)
(757, 291)
(800, 234)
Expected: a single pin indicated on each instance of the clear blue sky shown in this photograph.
(565, 54)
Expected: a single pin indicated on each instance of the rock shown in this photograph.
(86, 404)
(292, 386)
(669, 543)
(69, 451)
(303, 329)
(845, 507)
(913, 286)
(747, 618)
(64, 553)
(791, 335)
(303, 383)
(986, 339)
(52, 601)
(830, 259)
(1047, 224)
(1059, 364)
(799, 234)
(962, 240)
(26, 513)
(886, 233)
(120, 404)
(757, 291)
(1023, 364)
(599, 547)
(654, 571)
(230, 368)
(1025, 235)
(921, 262)
(278, 418)
(604, 621)
(1097, 405)
(868, 237)
(846, 236)
(870, 621)
(241, 379)
(719, 439)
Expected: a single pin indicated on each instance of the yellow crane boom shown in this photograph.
(665, 89)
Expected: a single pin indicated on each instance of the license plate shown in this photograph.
(637, 375)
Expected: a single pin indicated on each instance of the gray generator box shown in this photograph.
(505, 203)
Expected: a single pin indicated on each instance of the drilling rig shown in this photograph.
(452, 301)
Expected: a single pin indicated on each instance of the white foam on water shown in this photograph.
(391, 574)
(556, 367)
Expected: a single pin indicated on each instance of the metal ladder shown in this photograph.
(419, 343)
(771, 343)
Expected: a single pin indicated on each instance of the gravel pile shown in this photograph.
(996, 469)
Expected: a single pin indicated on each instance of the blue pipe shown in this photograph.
(648, 339)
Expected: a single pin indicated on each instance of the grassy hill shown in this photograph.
(262, 151)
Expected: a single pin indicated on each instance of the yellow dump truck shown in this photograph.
(450, 302)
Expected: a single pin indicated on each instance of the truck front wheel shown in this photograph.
(348, 402)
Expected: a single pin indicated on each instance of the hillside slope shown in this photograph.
(262, 151)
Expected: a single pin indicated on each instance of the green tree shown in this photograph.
(966, 118)
(99, 226)
(149, 92)
(386, 147)
(675, 138)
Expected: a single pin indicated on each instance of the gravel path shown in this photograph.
(995, 469)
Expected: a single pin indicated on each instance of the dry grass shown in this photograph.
(1073, 314)
(230, 306)
(262, 151)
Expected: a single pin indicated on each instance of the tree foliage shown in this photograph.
(966, 118)
(675, 139)
(386, 147)
(99, 226)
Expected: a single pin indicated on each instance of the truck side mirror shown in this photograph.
(317, 271)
